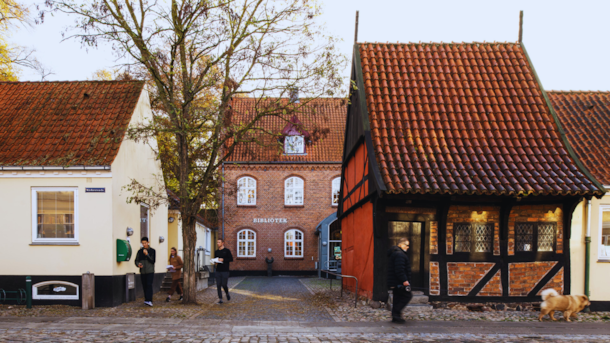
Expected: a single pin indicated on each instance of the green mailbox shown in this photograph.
(123, 250)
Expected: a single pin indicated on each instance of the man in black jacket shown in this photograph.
(145, 260)
(399, 276)
(222, 269)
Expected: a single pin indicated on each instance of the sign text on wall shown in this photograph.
(95, 190)
(270, 220)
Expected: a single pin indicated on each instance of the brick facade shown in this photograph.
(435, 280)
(473, 214)
(523, 277)
(463, 276)
(317, 205)
(493, 288)
(555, 283)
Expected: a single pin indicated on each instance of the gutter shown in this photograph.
(588, 248)
(223, 200)
(54, 168)
(283, 162)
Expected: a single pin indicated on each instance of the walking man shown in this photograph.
(145, 260)
(222, 269)
(399, 277)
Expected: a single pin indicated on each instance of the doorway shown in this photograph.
(414, 231)
(334, 246)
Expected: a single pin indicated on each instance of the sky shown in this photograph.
(568, 41)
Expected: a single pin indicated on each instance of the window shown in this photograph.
(55, 290)
(336, 188)
(604, 232)
(55, 215)
(208, 242)
(246, 243)
(293, 243)
(473, 237)
(294, 145)
(144, 228)
(533, 237)
(293, 191)
(246, 191)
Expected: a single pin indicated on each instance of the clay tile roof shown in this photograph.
(585, 117)
(64, 123)
(464, 118)
(321, 121)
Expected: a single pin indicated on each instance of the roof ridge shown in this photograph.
(445, 43)
(71, 81)
(577, 91)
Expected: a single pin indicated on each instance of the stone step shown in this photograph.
(419, 299)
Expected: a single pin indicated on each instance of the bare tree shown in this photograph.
(198, 55)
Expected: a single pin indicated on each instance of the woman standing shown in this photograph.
(176, 262)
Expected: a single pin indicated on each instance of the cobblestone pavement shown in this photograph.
(342, 309)
(268, 299)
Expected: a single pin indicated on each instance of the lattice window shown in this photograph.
(533, 237)
(473, 237)
(463, 237)
(524, 236)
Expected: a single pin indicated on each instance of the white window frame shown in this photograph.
(600, 246)
(336, 188)
(149, 233)
(295, 240)
(290, 141)
(208, 242)
(55, 297)
(35, 238)
(293, 190)
(246, 240)
(245, 189)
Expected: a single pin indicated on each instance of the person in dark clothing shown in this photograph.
(145, 260)
(399, 276)
(222, 269)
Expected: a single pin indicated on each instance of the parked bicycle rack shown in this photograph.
(21, 295)
(342, 276)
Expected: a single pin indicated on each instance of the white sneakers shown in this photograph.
(149, 303)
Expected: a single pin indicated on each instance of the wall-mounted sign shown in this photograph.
(270, 220)
(95, 190)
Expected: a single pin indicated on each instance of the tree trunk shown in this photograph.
(189, 239)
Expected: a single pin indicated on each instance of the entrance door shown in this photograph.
(414, 231)
(334, 246)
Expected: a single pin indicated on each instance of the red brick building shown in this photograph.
(456, 147)
(278, 189)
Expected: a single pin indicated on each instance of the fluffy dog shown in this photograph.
(568, 304)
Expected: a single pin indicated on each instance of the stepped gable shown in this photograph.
(79, 123)
(585, 117)
(321, 121)
(465, 118)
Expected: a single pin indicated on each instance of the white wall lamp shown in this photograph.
(170, 219)
(161, 239)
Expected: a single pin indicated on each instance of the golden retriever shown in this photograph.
(568, 304)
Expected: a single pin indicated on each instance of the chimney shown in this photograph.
(294, 95)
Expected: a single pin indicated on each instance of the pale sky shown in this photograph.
(568, 41)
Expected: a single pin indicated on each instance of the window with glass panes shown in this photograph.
(535, 236)
(604, 232)
(55, 215)
(473, 237)
(246, 191)
(293, 191)
(336, 186)
(294, 145)
(293, 243)
(246, 243)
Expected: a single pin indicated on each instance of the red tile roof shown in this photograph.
(463, 119)
(64, 123)
(585, 117)
(323, 119)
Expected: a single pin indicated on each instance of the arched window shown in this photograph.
(246, 191)
(246, 243)
(293, 243)
(336, 188)
(293, 191)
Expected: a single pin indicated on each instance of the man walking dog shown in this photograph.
(399, 277)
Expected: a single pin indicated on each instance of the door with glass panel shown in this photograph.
(414, 231)
(334, 246)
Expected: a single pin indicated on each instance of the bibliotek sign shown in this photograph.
(270, 220)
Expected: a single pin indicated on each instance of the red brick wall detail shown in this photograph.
(473, 214)
(555, 283)
(270, 204)
(435, 280)
(523, 277)
(463, 276)
(535, 213)
(493, 288)
(434, 238)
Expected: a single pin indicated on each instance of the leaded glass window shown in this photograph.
(535, 236)
(546, 236)
(524, 236)
(473, 237)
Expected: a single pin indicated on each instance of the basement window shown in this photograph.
(473, 237)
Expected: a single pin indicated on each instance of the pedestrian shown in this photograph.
(222, 269)
(399, 277)
(176, 262)
(145, 260)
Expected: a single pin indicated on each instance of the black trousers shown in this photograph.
(401, 300)
(222, 278)
(147, 285)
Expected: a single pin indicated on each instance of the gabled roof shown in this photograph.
(464, 119)
(322, 119)
(585, 117)
(64, 123)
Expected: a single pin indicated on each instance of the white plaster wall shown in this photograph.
(137, 161)
(18, 257)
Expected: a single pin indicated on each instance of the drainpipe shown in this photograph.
(223, 200)
(587, 248)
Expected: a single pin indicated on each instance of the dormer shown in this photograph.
(294, 137)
